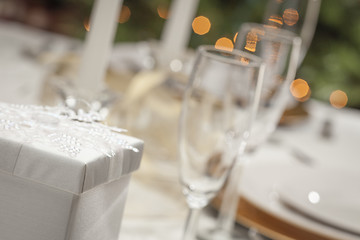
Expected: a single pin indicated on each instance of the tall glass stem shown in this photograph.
(191, 224)
(230, 198)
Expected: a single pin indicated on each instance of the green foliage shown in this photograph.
(332, 62)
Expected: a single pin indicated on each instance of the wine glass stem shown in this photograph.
(230, 200)
(191, 224)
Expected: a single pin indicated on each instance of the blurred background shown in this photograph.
(331, 66)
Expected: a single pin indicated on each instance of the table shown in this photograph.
(165, 212)
(155, 207)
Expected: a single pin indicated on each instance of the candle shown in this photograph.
(98, 43)
(176, 33)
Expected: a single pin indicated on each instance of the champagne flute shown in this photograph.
(280, 50)
(298, 16)
(219, 103)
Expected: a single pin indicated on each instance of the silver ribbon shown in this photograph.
(62, 128)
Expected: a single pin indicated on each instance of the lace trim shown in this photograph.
(62, 128)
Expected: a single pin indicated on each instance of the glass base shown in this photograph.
(238, 233)
(221, 234)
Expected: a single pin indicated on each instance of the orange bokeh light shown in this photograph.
(87, 24)
(163, 12)
(291, 16)
(306, 97)
(251, 41)
(300, 89)
(338, 99)
(235, 37)
(125, 14)
(201, 25)
(275, 19)
(224, 44)
(244, 60)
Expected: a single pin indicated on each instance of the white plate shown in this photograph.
(331, 196)
(273, 167)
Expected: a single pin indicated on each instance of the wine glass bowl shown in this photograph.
(280, 50)
(298, 16)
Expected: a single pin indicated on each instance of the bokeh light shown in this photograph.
(314, 197)
(125, 14)
(245, 60)
(306, 97)
(338, 99)
(87, 24)
(251, 41)
(224, 44)
(300, 89)
(290, 16)
(163, 12)
(201, 25)
(176, 65)
(275, 20)
(235, 36)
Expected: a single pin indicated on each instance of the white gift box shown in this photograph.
(61, 177)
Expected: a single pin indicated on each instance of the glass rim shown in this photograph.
(283, 34)
(208, 51)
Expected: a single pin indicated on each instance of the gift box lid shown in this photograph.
(56, 147)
